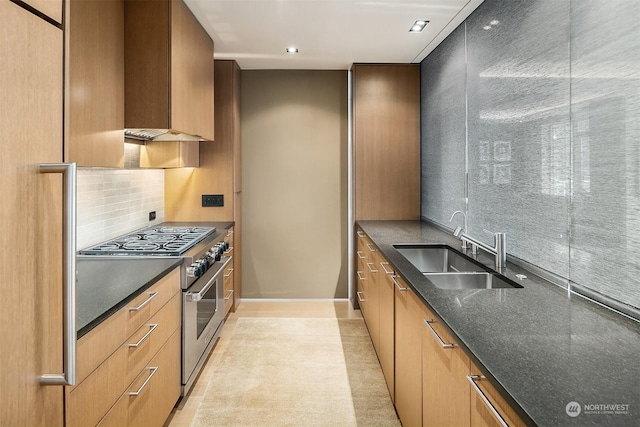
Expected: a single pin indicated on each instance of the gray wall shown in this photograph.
(539, 102)
(294, 184)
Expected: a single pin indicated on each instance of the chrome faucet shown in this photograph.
(499, 249)
(459, 229)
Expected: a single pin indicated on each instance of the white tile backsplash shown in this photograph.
(112, 202)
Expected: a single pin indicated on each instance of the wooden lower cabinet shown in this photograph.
(481, 413)
(229, 276)
(446, 391)
(376, 299)
(408, 355)
(373, 300)
(368, 285)
(386, 341)
(117, 356)
(426, 371)
(151, 396)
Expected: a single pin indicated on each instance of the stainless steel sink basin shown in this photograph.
(449, 269)
(469, 280)
(437, 259)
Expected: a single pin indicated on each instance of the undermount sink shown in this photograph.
(469, 280)
(449, 269)
(437, 259)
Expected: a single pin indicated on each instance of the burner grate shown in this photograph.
(167, 241)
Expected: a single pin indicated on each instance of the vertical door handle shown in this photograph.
(68, 171)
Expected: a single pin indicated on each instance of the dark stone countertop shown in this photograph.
(106, 284)
(542, 346)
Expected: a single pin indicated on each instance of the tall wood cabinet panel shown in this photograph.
(31, 119)
(219, 171)
(386, 134)
(96, 78)
(169, 69)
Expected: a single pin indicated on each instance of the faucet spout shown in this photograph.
(457, 212)
(458, 230)
(499, 250)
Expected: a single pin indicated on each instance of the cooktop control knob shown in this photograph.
(194, 270)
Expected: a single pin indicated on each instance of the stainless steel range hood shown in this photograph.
(160, 135)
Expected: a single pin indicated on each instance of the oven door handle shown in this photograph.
(195, 296)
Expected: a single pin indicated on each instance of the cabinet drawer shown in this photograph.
(158, 388)
(361, 294)
(228, 288)
(102, 341)
(92, 398)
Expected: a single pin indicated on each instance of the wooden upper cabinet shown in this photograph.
(219, 162)
(386, 132)
(169, 69)
(50, 8)
(96, 83)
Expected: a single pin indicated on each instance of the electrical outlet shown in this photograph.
(152, 215)
(211, 200)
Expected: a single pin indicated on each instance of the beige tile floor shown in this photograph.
(184, 412)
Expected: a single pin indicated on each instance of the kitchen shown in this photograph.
(546, 141)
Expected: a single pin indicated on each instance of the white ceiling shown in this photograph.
(330, 34)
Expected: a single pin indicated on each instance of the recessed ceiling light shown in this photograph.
(418, 26)
(292, 50)
(486, 27)
(494, 22)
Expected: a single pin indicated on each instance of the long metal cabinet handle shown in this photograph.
(400, 288)
(152, 295)
(359, 273)
(369, 264)
(360, 233)
(360, 255)
(360, 298)
(230, 294)
(229, 273)
(145, 336)
(382, 264)
(228, 251)
(69, 179)
(443, 344)
(371, 248)
(472, 379)
(153, 370)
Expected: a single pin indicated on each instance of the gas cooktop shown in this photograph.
(166, 241)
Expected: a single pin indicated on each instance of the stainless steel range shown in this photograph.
(205, 256)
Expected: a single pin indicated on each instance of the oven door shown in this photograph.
(202, 315)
